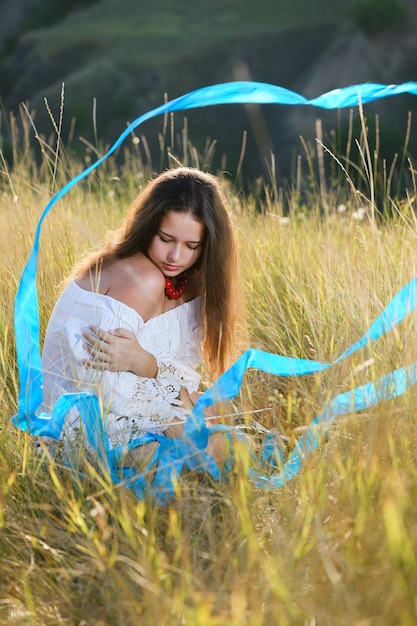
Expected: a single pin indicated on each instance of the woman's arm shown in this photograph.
(118, 350)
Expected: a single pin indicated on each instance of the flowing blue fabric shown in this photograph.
(188, 451)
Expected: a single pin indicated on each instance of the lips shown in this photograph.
(171, 268)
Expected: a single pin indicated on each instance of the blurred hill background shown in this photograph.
(127, 55)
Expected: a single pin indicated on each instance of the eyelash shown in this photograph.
(168, 240)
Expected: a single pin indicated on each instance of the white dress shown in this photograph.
(132, 405)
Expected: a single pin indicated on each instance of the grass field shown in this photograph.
(335, 546)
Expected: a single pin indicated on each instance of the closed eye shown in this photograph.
(192, 246)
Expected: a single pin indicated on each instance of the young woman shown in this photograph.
(138, 316)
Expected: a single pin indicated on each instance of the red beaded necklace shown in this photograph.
(173, 293)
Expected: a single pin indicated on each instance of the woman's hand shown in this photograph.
(117, 350)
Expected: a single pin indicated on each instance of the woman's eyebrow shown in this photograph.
(163, 232)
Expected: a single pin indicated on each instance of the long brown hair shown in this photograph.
(199, 194)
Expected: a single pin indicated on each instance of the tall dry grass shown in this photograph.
(337, 545)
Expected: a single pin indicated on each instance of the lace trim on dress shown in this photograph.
(168, 371)
(148, 404)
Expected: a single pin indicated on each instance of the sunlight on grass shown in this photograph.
(335, 545)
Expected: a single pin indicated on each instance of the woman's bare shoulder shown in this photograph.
(139, 271)
(135, 281)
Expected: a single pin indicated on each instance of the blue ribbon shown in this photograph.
(176, 453)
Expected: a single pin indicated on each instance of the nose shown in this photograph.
(174, 253)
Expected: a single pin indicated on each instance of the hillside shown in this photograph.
(127, 54)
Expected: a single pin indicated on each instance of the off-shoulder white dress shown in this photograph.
(132, 405)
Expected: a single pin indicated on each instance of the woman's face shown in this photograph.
(177, 244)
